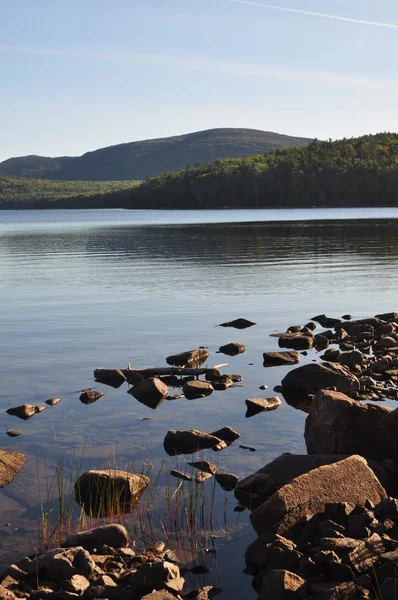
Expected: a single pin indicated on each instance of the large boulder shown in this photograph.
(349, 480)
(258, 487)
(113, 535)
(317, 376)
(10, 464)
(339, 425)
(109, 492)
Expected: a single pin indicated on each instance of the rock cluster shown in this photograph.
(98, 564)
(328, 534)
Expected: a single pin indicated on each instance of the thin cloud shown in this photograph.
(203, 65)
(316, 14)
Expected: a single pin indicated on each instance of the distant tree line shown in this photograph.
(348, 172)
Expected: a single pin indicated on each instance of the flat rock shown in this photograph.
(349, 480)
(238, 324)
(77, 584)
(150, 392)
(114, 535)
(314, 377)
(25, 411)
(10, 464)
(109, 491)
(197, 389)
(190, 358)
(90, 396)
(232, 349)
(277, 359)
(258, 405)
(188, 442)
(181, 475)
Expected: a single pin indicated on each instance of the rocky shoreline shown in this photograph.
(327, 522)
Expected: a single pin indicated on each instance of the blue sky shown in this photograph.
(77, 75)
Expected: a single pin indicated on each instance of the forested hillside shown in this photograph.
(136, 160)
(349, 172)
(42, 193)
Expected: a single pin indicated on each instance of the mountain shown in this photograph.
(136, 160)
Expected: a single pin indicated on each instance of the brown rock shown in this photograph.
(90, 396)
(156, 575)
(150, 392)
(296, 341)
(226, 434)
(25, 411)
(282, 585)
(191, 358)
(339, 425)
(13, 433)
(349, 480)
(276, 359)
(232, 349)
(77, 584)
(10, 464)
(201, 476)
(349, 359)
(188, 442)
(317, 376)
(180, 475)
(205, 466)
(206, 593)
(113, 535)
(325, 321)
(53, 401)
(107, 492)
(258, 405)
(197, 389)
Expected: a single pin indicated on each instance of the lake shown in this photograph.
(87, 289)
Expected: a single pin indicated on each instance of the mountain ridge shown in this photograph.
(151, 157)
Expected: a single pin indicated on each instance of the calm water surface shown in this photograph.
(87, 289)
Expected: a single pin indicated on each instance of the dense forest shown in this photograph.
(43, 193)
(135, 160)
(349, 172)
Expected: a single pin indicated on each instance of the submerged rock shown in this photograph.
(276, 359)
(109, 492)
(10, 464)
(232, 349)
(150, 392)
(190, 358)
(188, 442)
(90, 396)
(257, 405)
(238, 324)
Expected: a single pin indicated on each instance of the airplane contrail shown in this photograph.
(316, 14)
